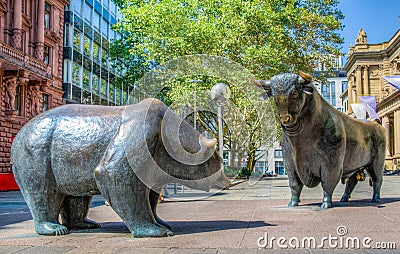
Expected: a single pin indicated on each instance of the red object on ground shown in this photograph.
(7, 182)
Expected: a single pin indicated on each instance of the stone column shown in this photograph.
(386, 125)
(16, 38)
(350, 93)
(40, 31)
(366, 81)
(396, 138)
(358, 85)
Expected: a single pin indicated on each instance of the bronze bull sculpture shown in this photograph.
(64, 156)
(321, 144)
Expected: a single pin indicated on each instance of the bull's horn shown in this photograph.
(301, 80)
(305, 76)
(208, 142)
(263, 84)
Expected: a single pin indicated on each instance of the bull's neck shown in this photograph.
(312, 115)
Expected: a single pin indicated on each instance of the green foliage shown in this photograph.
(266, 37)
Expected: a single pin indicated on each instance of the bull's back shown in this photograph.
(364, 139)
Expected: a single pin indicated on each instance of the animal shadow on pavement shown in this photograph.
(190, 227)
(183, 227)
(357, 203)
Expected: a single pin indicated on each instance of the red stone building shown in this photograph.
(31, 57)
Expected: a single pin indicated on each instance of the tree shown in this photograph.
(264, 36)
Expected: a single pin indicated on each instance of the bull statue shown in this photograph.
(321, 144)
(64, 156)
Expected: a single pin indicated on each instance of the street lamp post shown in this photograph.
(195, 81)
(220, 93)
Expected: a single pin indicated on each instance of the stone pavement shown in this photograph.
(238, 220)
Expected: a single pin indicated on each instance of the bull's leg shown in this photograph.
(74, 212)
(153, 198)
(328, 183)
(129, 198)
(351, 183)
(41, 194)
(376, 173)
(296, 187)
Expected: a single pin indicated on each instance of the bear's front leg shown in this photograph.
(129, 198)
(153, 198)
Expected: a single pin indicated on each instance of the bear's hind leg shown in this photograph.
(74, 211)
(42, 197)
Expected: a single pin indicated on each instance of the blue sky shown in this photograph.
(378, 18)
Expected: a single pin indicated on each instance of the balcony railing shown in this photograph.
(24, 60)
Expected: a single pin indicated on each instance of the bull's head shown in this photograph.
(290, 92)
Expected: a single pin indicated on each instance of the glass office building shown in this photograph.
(88, 76)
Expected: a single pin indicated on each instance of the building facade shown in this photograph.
(366, 66)
(89, 76)
(31, 50)
(332, 89)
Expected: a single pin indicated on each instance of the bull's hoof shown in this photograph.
(345, 198)
(86, 224)
(151, 231)
(376, 199)
(326, 205)
(293, 203)
(50, 228)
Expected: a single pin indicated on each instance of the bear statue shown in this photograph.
(64, 156)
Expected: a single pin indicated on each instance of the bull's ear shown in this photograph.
(263, 84)
(308, 90)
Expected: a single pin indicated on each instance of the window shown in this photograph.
(45, 102)
(95, 84)
(18, 100)
(85, 79)
(104, 27)
(87, 13)
(104, 57)
(279, 168)
(96, 20)
(96, 54)
(344, 86)
(77, 40)
(47, 12)
(78, 7)
(333, 94)
(86, 46)
(106, 3)
(278, 153)
(111, 91)
(46, 54)
(260, 167)
(76, 74)
(112, 35)
(103, 88)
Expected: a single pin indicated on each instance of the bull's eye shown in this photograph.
(295, 94)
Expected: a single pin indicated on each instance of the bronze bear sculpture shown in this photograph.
(64, 156)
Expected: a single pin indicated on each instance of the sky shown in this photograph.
(378, 18)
